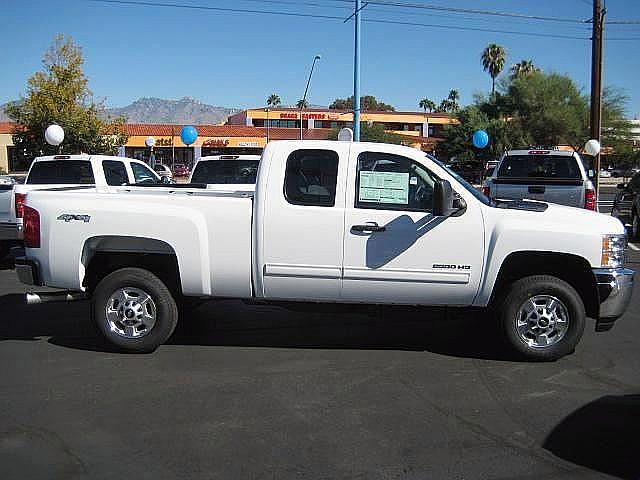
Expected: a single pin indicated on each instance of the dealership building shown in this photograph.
(247, 132)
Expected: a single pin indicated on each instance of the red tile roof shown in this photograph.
(144, 129)
(7, 127)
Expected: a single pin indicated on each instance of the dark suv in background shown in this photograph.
(626, 204)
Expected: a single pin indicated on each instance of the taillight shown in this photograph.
(20, 199)
(31, 227)
(590, 202)
(485, 191)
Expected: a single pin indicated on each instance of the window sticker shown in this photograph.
(413, 181)
(384, 187)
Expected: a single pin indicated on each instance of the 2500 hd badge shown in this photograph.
(451, 267)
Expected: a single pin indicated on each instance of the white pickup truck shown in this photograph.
(335, 222)
(65, 171)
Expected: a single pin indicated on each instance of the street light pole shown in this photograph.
(304, 97)
(356, 76)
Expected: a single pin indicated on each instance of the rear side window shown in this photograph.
(61, 172)
(115, 172)
(226, 171)
(311, 178)
(539, 166)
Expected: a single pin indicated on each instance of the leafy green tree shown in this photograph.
(522, 69)
(427, 104)
(493, 59)
(273, 100)
(59, 94)
(549, 107)
(372, 133)
(302, 103)
(368, 103)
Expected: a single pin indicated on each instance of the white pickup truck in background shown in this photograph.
(334, 222)
(65, 171)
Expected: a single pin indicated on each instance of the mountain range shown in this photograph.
(157, 110)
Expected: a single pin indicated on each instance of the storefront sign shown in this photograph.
(216, 142)
(163, 142)
(310, 116)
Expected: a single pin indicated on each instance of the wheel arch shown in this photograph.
(102, 255)
(573, 269)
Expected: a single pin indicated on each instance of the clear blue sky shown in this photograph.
(233, 59)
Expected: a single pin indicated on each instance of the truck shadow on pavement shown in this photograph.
(460, 332)
(602, 435)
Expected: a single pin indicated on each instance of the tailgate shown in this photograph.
(563, 192)
(6, 197)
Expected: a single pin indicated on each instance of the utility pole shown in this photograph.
(596, 82)
(356, 76)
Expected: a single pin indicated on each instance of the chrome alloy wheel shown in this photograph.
(542, 321)
(130, 312)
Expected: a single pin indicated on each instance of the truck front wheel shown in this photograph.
(542, 318)
(134, 310)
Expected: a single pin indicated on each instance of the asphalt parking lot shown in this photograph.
(262, 393)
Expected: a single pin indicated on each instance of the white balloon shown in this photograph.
(54, 135)
(345, 135)
(592, 147)
(150, 142)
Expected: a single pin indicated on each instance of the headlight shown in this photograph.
(613, 247)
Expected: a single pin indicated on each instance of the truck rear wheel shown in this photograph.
(134, 310)
(542, 318)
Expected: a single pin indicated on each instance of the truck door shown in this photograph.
(300, 235)
(395, 250)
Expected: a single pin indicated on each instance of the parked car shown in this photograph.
(542, 174)
(333, 222)
(489, 168)
(162, 170)
(226, 172)
(605, 174)
(181, 170)
(64, 171)
(626, 205)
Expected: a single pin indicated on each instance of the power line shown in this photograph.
(329, 17)
(427, 6)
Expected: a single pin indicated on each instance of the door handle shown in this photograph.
(536, 189)
(368, 227)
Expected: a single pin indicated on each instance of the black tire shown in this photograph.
(166, 311)
(541, 286)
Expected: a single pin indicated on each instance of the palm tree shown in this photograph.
(426, 103)
(273, 100)
(493, 58)
(453, 98)
(302, 103)
(522, 69)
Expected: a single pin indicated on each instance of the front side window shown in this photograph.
(392, 182)
(115, 172)
(67, 172)
(311, 178)
(142, 174)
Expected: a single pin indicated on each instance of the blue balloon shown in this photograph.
(188, 135)
(480, 139)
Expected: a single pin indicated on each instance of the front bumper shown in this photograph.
(615, 286)
(28, 271)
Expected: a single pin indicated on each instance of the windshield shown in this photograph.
(467, 186)
(226, 171)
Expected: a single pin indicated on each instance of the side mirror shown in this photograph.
(443, 199)
(621, 186)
